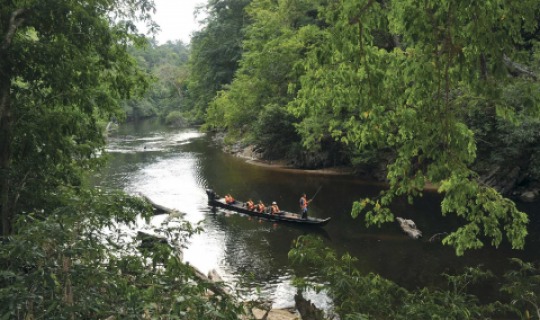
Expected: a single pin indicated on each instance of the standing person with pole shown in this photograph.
(304, 203)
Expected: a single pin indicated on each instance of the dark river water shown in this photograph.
(173, 167)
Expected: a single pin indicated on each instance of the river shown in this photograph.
(174, 167)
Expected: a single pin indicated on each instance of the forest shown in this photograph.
(406, 101)
(410, 93)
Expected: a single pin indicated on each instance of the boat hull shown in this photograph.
(284, 216)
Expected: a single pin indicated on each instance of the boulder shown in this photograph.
(529, 196)
(274, 314)
(409, 227)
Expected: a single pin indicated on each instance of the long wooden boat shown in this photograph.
(215, 200)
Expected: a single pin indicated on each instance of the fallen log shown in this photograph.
(159, 209)
(214, 286)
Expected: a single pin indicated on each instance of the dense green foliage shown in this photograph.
(82, 261)
(421, 87)
(253, 106)
(215, 52)
(360, 296)
(414, 99)
(64, 67)
(67, 251)
(445, 91)
(168, 66)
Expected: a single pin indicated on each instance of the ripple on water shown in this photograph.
(157, 142)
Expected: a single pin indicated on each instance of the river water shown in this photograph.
(174, 167)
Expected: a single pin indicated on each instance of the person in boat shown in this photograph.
(274, 208)
(304, 205)
(250, 205)
(261, 207)
(229, 199)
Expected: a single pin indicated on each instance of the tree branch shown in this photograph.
(519, 68)
(14, 23)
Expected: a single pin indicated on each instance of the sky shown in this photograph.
(176, 19)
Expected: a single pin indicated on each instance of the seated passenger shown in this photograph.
(250, 205)
(229, 199)
(275, 208)
(261, 207)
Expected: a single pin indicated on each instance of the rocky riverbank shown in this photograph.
(255, 158)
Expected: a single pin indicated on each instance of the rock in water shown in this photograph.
(409, 227)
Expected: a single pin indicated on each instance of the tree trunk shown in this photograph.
(17, 18)
(6, 123)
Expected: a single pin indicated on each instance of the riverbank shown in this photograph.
(248, 153)
(282, 166)
(253, 158)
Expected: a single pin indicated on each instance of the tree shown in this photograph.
(82, 261)
(508, 147)
(522, 286)
(63, 67)
(412, 97)
(253, 106)
(215, 52)
(167, 65)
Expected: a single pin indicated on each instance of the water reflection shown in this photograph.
(174, 167)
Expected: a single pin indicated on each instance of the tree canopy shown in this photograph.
(64, 67)
(66, 252)
(215, 52)
(414, 96)
(420, 87)
(167, 65)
